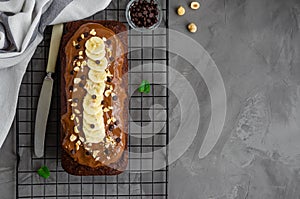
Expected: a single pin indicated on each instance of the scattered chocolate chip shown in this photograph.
(92, 126)
(118, 140)
(87, 153)
(109, 79)
(102, 102)
(115, 98)
(108, 42)
(76, 57)
(75, 100)
(117, 122)
(86, 34)
(106, 151)
(94, 96)
(72, 151)
(71, 88)
(82, 77)
(97, 62)
(77, 46)
(79, 39)
(111, 127)
(72, 72)
(81, 84)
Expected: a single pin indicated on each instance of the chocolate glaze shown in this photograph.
(82, 161)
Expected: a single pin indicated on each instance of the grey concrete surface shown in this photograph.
(255, 44)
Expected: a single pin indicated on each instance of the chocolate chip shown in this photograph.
(71, 88)
(85, 34)
(79, 39)
(117, 122)
(109, 79)
(72, 151)
(106, 151)
(87, 153)
(108, 42)
(118, 140)
(92, 126)
(102, 102)
(111, 127)
(72, 72)
(77, 46)
(75, 100)
(76, 57)
(81, 84)
(115, 97)
(82, 77)
(94, 96)
(97, 62)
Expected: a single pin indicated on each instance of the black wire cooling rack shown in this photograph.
(148, 126)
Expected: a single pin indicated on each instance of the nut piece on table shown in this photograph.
(192, 27)
(195, 5)
(180, 10)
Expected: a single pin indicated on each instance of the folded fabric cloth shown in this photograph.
(22, 23)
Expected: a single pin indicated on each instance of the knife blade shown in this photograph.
(46, 93)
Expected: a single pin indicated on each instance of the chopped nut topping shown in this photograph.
(76, 111)
(93, 32)
(78, 63)
(111, 87)
(80, 57)
(76, 68)
(107, 93)
(74, 43)
(76, 129)
(113, 119)
(195, 5)
(104, 38)
(77, 146)
(108, 157)
(180, 10)
(77, 80)
(105, 110)
(77, 120)
(73, 138)
(110, 107)
(72, 116)
(109, 121)
(81, 139)
(70, 100)
(82, 36)
(109, 53)
(97, 158)
(74, 90)
(80, 53)
(95, 153)
(74, 104)
(83, 63)
(78, 142)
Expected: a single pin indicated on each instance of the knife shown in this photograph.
(46, 93)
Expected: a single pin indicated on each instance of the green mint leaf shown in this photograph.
(144, 87)
(44, 172)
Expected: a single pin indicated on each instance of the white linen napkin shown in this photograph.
(22, 23)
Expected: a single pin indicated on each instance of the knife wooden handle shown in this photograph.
(57, 31)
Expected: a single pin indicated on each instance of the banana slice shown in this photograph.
(93, 119)
(93, 56)
(95, 88)
(92, 106)
(97, 77)
(98, 67)
(93, 136)
(95, 45)
(91, 127)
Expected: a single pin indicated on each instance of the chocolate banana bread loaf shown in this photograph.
(94, 104)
